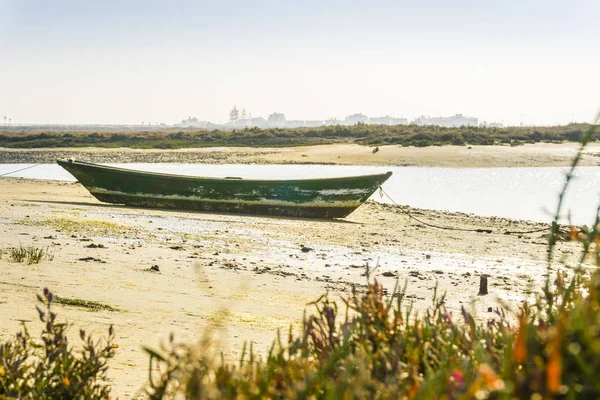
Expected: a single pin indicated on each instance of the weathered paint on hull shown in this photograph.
(308, 198)
(332, 211)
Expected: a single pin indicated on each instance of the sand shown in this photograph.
(528, 155)
(242, 277)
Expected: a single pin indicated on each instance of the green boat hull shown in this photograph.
(304, 198)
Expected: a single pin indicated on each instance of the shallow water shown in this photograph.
(520, 193)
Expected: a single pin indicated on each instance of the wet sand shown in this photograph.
(528, 155)
(245, 276)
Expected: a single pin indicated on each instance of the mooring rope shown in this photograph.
(453, 228)
(22, 169)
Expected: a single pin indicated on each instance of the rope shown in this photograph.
(19, 170)
(452, 228)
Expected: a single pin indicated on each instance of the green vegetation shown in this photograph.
(405, 135)
(49, 368)
(30, 255)
(87, 304)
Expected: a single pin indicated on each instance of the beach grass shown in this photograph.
(29, 254)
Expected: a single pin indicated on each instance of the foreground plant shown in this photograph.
(48, 368)
(30, 255)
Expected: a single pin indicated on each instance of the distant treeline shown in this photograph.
(373, 135)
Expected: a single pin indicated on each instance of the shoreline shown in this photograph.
(527, 155)
(242, 277)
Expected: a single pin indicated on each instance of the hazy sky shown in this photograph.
(160, 61)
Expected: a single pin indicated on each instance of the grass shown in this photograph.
(87, 304)
(30, 254)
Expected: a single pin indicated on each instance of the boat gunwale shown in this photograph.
(66, 163)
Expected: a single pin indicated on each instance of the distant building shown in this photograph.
(454, 121)
(485, 124)
(314, 124)
(301, 123)
(193, 122)
(387, 120)
(276, 119)
(243, 122)
(259, 122)
(355, 119)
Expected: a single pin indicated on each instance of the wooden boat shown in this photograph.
(306, 198)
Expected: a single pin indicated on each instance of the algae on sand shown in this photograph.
(82, 227)
(87, 304)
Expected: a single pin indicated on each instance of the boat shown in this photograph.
(304, 198)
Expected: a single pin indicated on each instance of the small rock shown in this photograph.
(389, 274)
(92, 259)
(155, 268)
(305, 249)
(95, 246)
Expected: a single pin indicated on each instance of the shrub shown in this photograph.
(49, 368)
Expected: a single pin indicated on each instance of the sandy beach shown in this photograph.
(241, 277)
(527, 155)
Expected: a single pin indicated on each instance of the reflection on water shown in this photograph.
(520, 193)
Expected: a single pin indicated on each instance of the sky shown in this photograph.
(123, 62)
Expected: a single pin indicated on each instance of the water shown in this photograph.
(520, 193)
